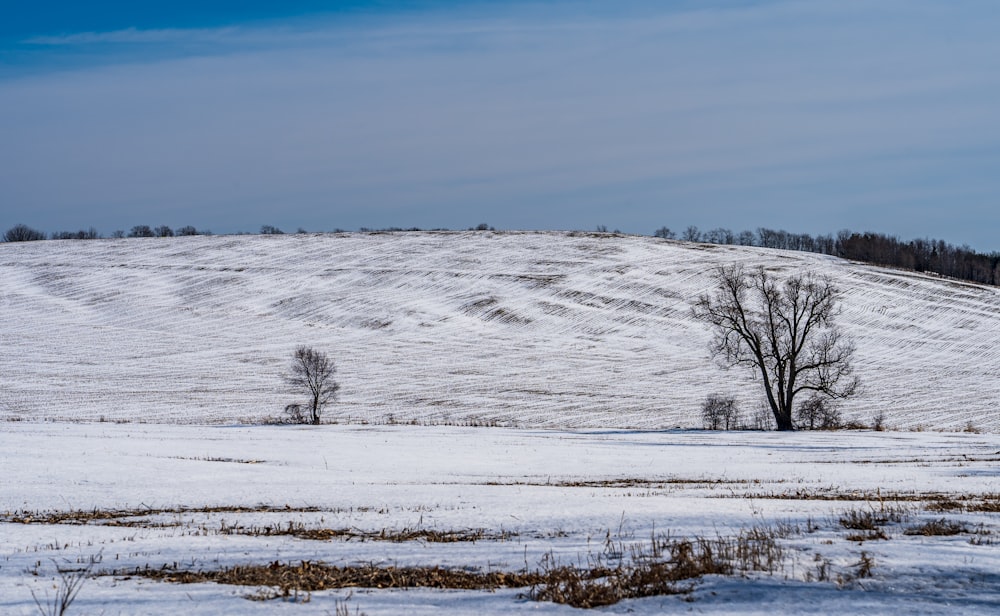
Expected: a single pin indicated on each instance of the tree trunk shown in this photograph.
(783, 419)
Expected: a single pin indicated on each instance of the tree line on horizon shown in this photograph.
(920, 255)
(24, 233)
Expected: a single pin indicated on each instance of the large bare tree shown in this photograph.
(312, 374)
(782, 330)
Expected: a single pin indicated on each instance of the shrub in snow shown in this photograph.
(719, 412)
(818, 414)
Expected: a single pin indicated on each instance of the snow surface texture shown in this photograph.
(521, 329)
(545, 488)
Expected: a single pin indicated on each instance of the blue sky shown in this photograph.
(806, 115)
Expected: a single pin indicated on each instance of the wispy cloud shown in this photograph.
(811, 115)
(133, 36)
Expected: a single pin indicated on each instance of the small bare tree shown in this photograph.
(817, 413)
(22, 233)
(719, 412)
(312, 374)
(691, 234)
(784, 332)
(295, 413)
(665, 233)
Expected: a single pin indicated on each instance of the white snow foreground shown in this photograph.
(193, 498)
(520, 329)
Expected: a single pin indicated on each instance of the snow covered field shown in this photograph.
(135, 376)
(200, 498)
(521, 329)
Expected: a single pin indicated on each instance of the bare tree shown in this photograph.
(141, 231)
(784, 332)
(295, 414)
(719, 412)
(665, 233)
(719, 235)
(691, 234)
(89, 234)
(22, 233)
(817, 414)
(312, 374)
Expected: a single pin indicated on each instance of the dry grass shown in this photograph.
(871, 520)
(973, 503)
(987, 505)
(119, 517)
(66, 590)
(310, 576)
(936, 528)
(872, 535)
(662, 566)
(665, 566)
(944, 504)
(630, 482)
(876, 496)
(220, 459)
(596, 587)
(865, 565)
(427, 535)
(886, 501)
(138, 518)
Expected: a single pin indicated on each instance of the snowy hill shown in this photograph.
(526, 329)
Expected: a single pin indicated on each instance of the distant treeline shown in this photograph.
(24, 233)
(926, 255)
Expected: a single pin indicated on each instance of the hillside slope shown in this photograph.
(527, 329)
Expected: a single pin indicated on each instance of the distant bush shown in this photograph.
(270, 230)
(878, 420)
(163, 231)
(141, 231)
(22, 233)
(691, 234)
(719, 236)
(761, 419)
(392, 230)
(187, 230)
(719, 412)
(818, 414)
(296, 414)
(89, 234)
(665, 233)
